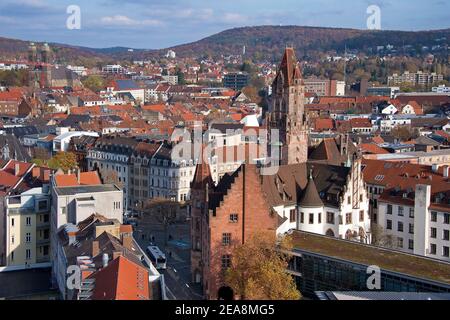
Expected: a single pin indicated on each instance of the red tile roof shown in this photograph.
(69, 180)
(372, 148)
(122, 279)
(323, 124)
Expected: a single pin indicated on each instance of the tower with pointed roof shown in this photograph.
(287, 112)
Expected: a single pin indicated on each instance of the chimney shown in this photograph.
(105, 260)
(445, 171)
(95, 248)
(16, 168)
(36, 172)
(127, 239)
(78, 175)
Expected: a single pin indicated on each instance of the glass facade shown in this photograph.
(319, 273)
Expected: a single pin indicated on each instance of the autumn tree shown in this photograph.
(258, 269)
(63, 160)
(380, 237)
(404, 133)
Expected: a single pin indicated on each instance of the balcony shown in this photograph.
(43, 225)
(42, 241)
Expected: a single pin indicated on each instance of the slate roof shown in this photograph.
(289, 185)
(310, 197)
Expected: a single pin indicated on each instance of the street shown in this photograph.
(177, 276)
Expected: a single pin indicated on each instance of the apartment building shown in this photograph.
(324, 87)
(410, 204)
(418, 78)
(110, 262)
(24, 216)
(154, 173)
(111, 155)
(418, 223)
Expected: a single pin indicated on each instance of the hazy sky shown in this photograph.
(163, 23)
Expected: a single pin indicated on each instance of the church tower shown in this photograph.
(287, 112)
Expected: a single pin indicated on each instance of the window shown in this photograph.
(389, 209)
(411, 244)
(361, 216)
(411, 228)
(28, 237)
(302, 217)
(42, 205)
(446, 235)
(445, 251)
(292, 215)
(226, 239)
(311, 218)
(28, 254)
(400, 211)
(399, 242)
(400, 226)
(226, 261)
(330, 217)
(320, 217)
(63, 210)
(432, 248)
(12, 239)
(447, 218)
(12, 255)
(233, 217)
(348, 218)
(349, 200)
(411, 212)
(433, 216)
(433, 233)
(389, 224)
(12, 222)
(28, 221)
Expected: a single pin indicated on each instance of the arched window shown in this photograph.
(329, 233)
(348, 234)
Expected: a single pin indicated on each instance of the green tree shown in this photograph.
(94, 83)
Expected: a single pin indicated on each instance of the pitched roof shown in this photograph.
(310, 198)
(372, 148)
(122, 279)
(70, 180)
(289, 69)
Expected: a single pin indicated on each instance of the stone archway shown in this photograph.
(330, 233)
(348, 234)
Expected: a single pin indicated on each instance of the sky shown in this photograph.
(154, 24)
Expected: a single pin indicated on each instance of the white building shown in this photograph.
(391, 121)
(111, 157)
(328, 200)
(420, 226)
(62, 141)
